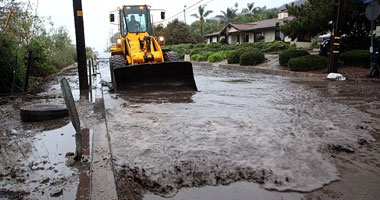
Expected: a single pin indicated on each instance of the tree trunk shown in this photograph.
(202, 27)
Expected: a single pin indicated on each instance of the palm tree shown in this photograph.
(201, 16)
(249, 10)
(228, 15)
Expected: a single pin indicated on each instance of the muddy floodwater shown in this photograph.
(240, 134)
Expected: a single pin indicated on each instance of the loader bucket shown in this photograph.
(166, 76)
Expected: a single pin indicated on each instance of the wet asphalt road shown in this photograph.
(247, 128)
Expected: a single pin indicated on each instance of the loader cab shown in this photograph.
(135, 19)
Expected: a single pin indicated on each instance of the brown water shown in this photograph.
(240, 127)
(33, 155)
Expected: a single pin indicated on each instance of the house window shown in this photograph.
(238, 39)
(277, 35)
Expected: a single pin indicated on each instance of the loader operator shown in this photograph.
(133, 25)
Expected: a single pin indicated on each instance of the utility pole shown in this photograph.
(184, 13)
(81, 45)
(336, 38)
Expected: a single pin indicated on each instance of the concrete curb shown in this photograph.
(278, 72)
(103, 185)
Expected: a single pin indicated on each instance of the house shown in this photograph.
(238, 33)
(261, 31)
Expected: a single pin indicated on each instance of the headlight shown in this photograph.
(118, 41)
(162, 38)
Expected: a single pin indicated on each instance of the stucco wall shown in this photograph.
(232, 39)
(269, 35)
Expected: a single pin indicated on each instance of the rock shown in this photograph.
(44, 180)
(69, 154)
(13, 174)
(335, 76)
(70, 161)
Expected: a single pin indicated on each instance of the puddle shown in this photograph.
(38, 163)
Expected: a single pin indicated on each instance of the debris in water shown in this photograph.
(56, 192)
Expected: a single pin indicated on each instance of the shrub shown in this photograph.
(203, 58)
(274, 46)
(42, 62)
(200, 45)
(252, 58)
(260, 38)
(307, 63)
(195, 51)
(234, 57)
(195, 57)
(356, 58)
(219, 56)
(223, 41)
(8, 53)
(285, 56)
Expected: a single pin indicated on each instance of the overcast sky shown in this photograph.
(96, 21)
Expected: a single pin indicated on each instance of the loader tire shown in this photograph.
(171, 56)
(115, 62)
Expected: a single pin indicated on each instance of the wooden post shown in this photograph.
(8, 18)
(93, 66)
(81, 46)
(14, 74)
(89, 72)
(335, 39)
(28, 69)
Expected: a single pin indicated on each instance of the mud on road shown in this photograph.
(282, 133)
(34, 164)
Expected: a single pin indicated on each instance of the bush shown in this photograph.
(260, 38)
(42, 62)
(356, 58)
(203, 58)
(234, 57)
(8, 53)
(285, 56)
(252, 58)
(195, 57)
(307, 63)
(200, 45)
(223, 41)
(219, 56)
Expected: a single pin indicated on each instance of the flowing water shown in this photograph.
(241, 129)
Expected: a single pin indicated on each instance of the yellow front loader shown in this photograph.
(137, 61)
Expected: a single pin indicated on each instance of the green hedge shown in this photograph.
(356, 58)
(201, 48)
(195, 57)
(234, 57)
(307, 63)
(285, 56)
(252, 58)
(219, 56)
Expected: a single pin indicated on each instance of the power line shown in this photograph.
(183, 11)
(188, 9)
